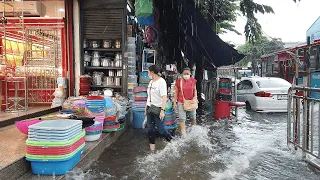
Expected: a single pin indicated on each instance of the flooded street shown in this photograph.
(254, 147)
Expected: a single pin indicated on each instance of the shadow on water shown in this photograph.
(252, 147)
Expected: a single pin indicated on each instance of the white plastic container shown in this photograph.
(132, 79)
(93, 137)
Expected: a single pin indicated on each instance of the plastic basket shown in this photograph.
(56, 125)
(117, 125)
(138, 89)
(55, 151)
(149, 20)
(53, 138)
(113, 130)
(45, 144)
(23, 126)
(93, 137)
(55, 167)
(138, 119)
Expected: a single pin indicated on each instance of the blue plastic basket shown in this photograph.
(56, 167)
(138, 118)
(173, 126)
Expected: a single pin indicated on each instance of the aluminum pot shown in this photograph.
(96, 54)
(106, 62)
(118, 56)
(117, 81)
(95, 44)
(112, 63)
(106, 44)
(118, 63)
(111, 73)
(95, 62)
(108, 81)
(119, 73)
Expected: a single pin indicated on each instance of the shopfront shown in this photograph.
(33, 54)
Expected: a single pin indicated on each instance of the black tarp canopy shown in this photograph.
(185, 29)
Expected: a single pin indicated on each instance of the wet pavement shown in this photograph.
(252, 148)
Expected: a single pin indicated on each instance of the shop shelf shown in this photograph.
(103, 49)
(93, 67)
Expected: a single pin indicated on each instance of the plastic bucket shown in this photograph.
(222, 110)
(138, 119)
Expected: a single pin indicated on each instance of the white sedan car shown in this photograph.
(264, 94)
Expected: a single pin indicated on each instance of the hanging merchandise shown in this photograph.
(151, 35)
(143, 8)
(149, 20)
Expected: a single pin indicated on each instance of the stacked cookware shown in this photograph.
(55, 146)
(94, 132)
(111, 123)
(94, 107)
(138, 106)
(132, 76)
(85, 85)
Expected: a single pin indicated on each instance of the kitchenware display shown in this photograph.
(108, 92)
(112, 64)
(117, 44)
(86, 64)
(108, 81)
(87, 57)
(119, 73)
(117, 81)
(118, 63)
(95, 44)
(106, 62)
(95, 62)
(118, 56)
(107, 44)
(111, 73)
(96, 54)
(97, 78)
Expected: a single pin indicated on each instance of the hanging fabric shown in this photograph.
(144, 8)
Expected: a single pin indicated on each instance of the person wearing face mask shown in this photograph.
(189, 93)
(156, 103)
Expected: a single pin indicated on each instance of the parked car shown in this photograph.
(264, 94)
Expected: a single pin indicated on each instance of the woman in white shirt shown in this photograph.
(156, 103)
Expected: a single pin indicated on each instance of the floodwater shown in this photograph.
(252, 148)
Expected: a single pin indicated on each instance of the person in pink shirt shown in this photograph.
(189, 92)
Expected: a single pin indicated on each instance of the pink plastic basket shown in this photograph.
(23, 126)
(139, 89)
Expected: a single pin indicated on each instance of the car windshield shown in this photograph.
(272, 83)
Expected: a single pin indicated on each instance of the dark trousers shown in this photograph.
(153, 122)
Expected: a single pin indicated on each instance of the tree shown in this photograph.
(262, 46)
(220, 14)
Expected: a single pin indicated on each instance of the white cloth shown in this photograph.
(156, 90)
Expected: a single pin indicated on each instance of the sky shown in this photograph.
(290, 21)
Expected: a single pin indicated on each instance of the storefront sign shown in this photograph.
(315, 83)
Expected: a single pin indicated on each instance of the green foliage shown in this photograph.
(221, 14)
(261, 46)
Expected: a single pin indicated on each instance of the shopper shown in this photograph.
(184, 93)
(156, 103)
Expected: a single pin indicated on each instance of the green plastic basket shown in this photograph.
(115, 129)
(37, 157)
(93, 133)
(54, 144)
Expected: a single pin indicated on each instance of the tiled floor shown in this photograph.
(12, 145)
(32, 109)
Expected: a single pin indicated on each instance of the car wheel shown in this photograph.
(248, 106)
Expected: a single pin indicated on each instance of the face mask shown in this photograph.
(186, 77)
(150, 77)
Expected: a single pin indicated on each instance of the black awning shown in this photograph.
(195, 36)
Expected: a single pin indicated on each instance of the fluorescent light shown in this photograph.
(128, 8)
(46, 16)
(61, 10)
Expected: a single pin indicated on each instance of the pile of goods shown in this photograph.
(170, 119)
(54, 147)
(95, 107)
(139, 105)
(132, 77)
(111, 123)
(94, 132)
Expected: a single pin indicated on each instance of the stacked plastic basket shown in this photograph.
(55, 146)
(94, 132)
(94, 107)
(132, 74)
(138, 107)
(144, 79)
(110, 122)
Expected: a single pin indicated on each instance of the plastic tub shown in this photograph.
(132, 79)
(45, 144)
(93, 137)
(132, 72)
(132, 85)
(36, 150)
(138, 119)
(56, 125)
(131, 40)
(54, 132)
(23, 126)
(61, 167)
